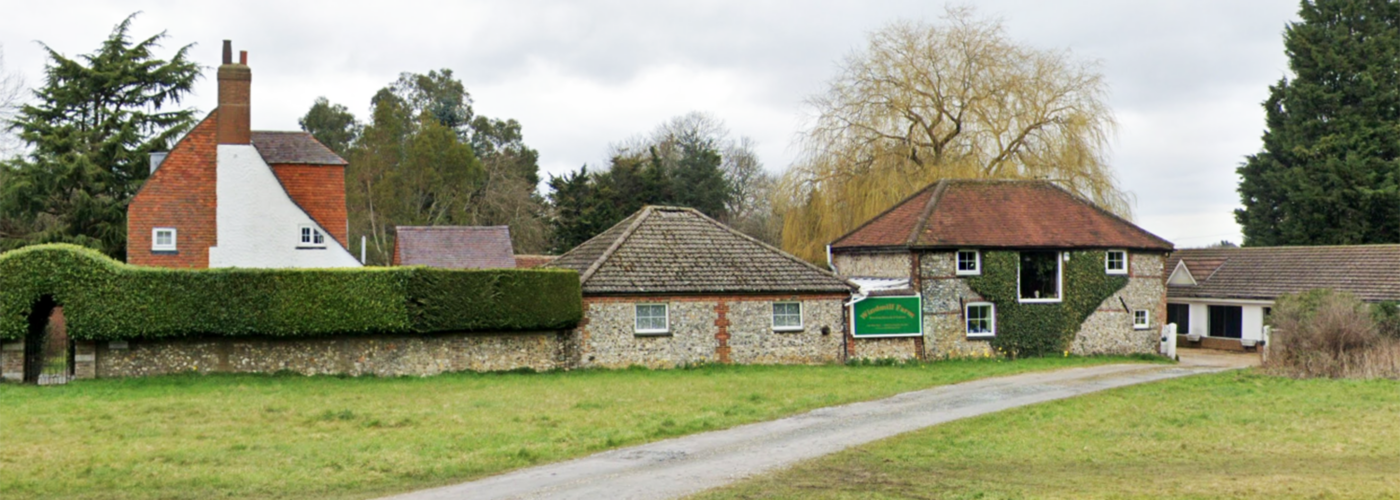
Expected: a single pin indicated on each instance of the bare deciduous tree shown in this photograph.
(957, 99)
(11, 96)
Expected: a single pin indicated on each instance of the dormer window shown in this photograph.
(969, 263)
(311, 237)
(163, 239)
(1115, 262)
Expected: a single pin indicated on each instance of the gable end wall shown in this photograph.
(180, 194)
(320, 191)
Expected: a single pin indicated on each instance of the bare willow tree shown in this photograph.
(957, 99)
(11, 96)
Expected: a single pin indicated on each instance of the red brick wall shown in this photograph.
(181, 194)
(320, 191)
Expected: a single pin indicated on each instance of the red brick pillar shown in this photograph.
(722, 332)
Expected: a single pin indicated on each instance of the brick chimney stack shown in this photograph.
(235, 81)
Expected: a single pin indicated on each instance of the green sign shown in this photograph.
(888, 317)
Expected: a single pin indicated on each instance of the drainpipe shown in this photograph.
(828, 260)
(362, 248)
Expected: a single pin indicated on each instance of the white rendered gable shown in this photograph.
(258, 223)
(1181, 276)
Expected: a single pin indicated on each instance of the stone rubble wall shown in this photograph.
(698, 334)
(1109, 330)
(372, 355)
(872, 265)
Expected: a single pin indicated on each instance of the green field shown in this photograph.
(248, 436)
(1231, 435)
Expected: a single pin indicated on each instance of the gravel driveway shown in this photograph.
(690, 464)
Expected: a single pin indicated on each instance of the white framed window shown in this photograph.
(1040, 278)
(652, 319)
(969, 263)
(981, 319)
(163, 239)
(310, 236)
(787, 316)
(1115, 262)
(1141, 319)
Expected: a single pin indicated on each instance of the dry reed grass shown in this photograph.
(1321, 333)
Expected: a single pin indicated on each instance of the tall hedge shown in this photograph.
(104, 299)
(1036, 329)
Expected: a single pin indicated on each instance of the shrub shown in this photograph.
(1322, 333)
(105, 299)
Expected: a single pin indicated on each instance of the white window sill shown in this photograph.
(1142, 327)
(969, 273)
(981, 336)
(1038, 301)
(652, 332)
(788, 329)
(1123, 272)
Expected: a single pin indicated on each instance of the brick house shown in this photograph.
(228, 196)
(454, 247)
(1223, 296)
(937, 243)
(669, 286)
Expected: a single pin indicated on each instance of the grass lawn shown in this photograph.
(1231, 435)
(248, 436)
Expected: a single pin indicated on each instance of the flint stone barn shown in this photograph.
(669, 286)
(935, 241)
(1223, 296)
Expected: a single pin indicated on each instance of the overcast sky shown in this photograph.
(1186, 77)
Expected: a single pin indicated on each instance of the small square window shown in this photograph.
(163, 239)
(311, 237)
(1141, 320)
(981, 320)
(652, 319)
(1115, 261)
(787, 316)
(969, 263)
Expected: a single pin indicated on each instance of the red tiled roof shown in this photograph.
(1265, 273)
(528, 261)
(454, 247)
(998, 214)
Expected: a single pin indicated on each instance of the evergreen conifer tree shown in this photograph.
(96, 119)
(1330, 164)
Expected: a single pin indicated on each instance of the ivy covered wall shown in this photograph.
(1038, 329)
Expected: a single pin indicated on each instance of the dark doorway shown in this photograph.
(1181, 315)
(48, 352)
(1226, 321)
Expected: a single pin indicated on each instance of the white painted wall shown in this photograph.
(1200, 319)
(1251, 317)
(258, 221)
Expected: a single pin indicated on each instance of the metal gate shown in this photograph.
(48, 352)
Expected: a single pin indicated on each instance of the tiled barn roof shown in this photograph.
(680, 250)
(454, 247)
(997, 214)
(1265, 273)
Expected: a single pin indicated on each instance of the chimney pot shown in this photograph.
(243, 57)
(228, 51)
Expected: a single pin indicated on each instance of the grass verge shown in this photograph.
(250, 436)
(1231, 435)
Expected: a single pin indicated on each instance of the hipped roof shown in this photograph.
(680, 250)
(997, 214)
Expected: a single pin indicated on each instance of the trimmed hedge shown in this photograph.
(1040, 329)
(104, 299)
